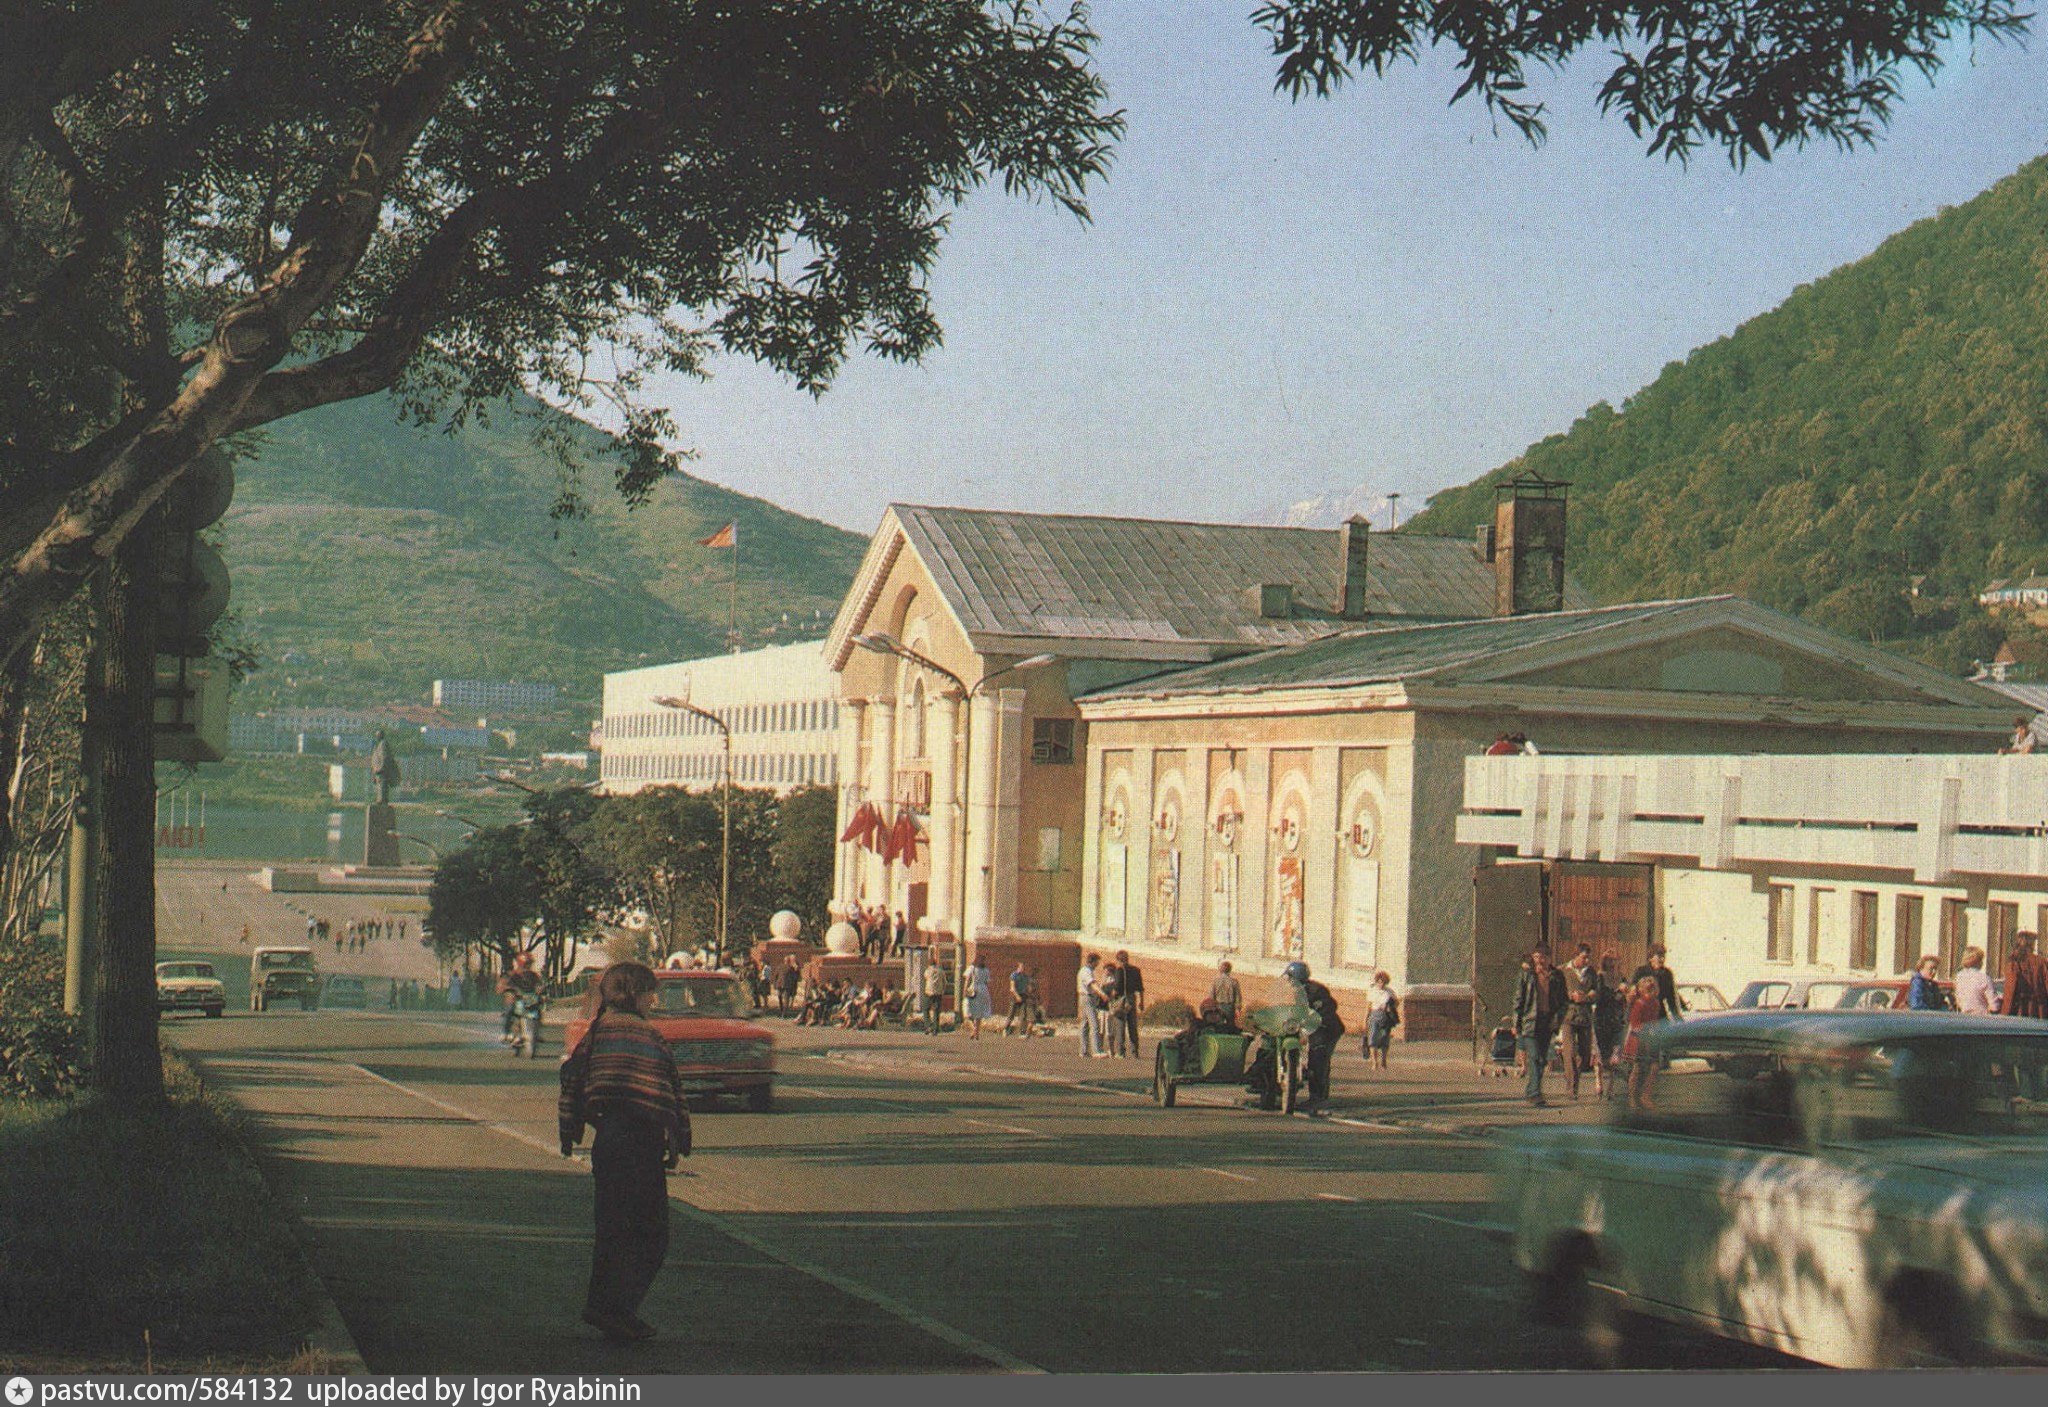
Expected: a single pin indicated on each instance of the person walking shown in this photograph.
(1539, 1005)
(1582, 999)
(2026, 979)
(934, 995)
(1974, 996)
(1656, 966)
(1923, 992)
(1610, 1021)
(900, 936)
(1382, 1015)
(786, 983)
(1109, 989)
(1225, 992)
(1088, 1002)
(1022, 985)
(622, 1079)
(1645, 1009)
(980, 1005)
(1130, 1002)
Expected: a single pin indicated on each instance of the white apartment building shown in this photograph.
(491, 695)
(781, 704)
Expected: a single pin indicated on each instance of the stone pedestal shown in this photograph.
(774, 950)
(380, 837)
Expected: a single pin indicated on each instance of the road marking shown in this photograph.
(1234, 1177)
(888, 1304)
(1005, 1128)
(1335, 1197)
(1487, 1226)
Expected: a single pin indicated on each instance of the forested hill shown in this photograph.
(370, 557)
(1886, 423)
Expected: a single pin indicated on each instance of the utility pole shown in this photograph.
(683, 703)
(78, 902)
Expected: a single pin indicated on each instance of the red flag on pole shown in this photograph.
(727, 536)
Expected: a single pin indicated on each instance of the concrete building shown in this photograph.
(780, 703)
(1760, 867)
(986, 752)
(492, 695)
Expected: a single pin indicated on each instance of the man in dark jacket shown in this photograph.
(1540, 1000)
(1322, 1042)
(1667, 983)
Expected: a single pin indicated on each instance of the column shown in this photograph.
(1255, 839)
(1322, 853)
(881, 789)
(981, 812)
(846, 856)
(1091, 840)
(945, 825)
(1009, 790)
(1144, 812)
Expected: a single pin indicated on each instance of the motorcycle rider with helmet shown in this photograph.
(1322, 1042)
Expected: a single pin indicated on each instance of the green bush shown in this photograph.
(1170, 1012)
(41, 1054)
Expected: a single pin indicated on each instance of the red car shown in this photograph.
(707, 1020)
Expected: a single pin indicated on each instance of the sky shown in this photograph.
(1277, 300)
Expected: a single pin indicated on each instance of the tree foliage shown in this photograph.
(295, 205)
(1881, 429)
(1748, 76)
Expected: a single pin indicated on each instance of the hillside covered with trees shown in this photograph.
(370, 556)
(1869, 454)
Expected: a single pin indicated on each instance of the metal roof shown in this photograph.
(1062, 577)
(1390, 653)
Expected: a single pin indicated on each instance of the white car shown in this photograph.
(189, 986)
(1864, 1189)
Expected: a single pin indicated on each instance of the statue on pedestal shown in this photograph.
(380, 819)
(383, 769)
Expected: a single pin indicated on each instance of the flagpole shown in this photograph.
(732, 634)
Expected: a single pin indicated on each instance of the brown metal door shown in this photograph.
(1507, 921)
(1605, 906)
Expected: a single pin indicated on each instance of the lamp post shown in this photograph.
(883, 644)
(425, 845)
(474, 826)
(724, 814)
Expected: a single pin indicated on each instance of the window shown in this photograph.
(1908, 917)
(1052, 740)
(1778, 945)
(1955, 932)
(1816, 906)
(1863, 930)
(2002, 922)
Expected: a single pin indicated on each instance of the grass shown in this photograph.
(143, 1238)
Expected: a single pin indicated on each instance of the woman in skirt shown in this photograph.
(1383, 1014)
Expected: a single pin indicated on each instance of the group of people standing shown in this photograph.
(1597, 1013)
(354, 936)
(1111, 998)
(2025, 992)
(881, 936)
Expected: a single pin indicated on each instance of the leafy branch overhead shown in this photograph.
(1748, 76)
(468, 198)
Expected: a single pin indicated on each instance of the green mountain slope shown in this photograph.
(1885, 427)
(371, 557)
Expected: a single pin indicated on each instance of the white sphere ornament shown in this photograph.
(785, 925)
(842, 940)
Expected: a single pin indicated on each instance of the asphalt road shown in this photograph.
(888, 1216)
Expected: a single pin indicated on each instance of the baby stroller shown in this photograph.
(1502, 1055)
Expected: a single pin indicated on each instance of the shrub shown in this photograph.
(1170, 1012)
(41, 1053)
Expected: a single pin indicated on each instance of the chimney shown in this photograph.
(1528, 546)
(1353, 539)
(1271, 600)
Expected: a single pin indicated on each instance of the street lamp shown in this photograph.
(880, 643)
(425, 845)
(724, 814)
(474, 826)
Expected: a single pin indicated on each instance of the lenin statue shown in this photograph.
(383, 769)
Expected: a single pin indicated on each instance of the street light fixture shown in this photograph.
(724, 814)
(881, 643)
(474, 826)
(425, 845)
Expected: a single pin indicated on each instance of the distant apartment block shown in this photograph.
(780, 703)
(2025, 592)
(492, 694)
(456, 739)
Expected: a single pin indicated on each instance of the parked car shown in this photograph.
(283, 974)
(1829, 994)
(344, 990)
(1701, 998)
(707, 1019)
(1860, 1188)
(190, 986)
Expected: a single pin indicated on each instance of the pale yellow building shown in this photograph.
(781, 704)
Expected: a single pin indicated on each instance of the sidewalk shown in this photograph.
(1433, 1086)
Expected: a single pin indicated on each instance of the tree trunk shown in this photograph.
(121, 757)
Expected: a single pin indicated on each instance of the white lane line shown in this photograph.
(1335, 1197)
(1486, 1226)
(1234, 1177)
(1004, 1128)
(888, 1304)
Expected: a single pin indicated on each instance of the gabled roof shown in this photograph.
(1388, 654)
(1481, 649)
(1134, 581)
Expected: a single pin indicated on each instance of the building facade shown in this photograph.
(492, 695)
(965, 726)
(780, 703)
(1790, 866)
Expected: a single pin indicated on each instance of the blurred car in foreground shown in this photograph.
(1864, 1189)
(707, 1019)
(190, 986)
